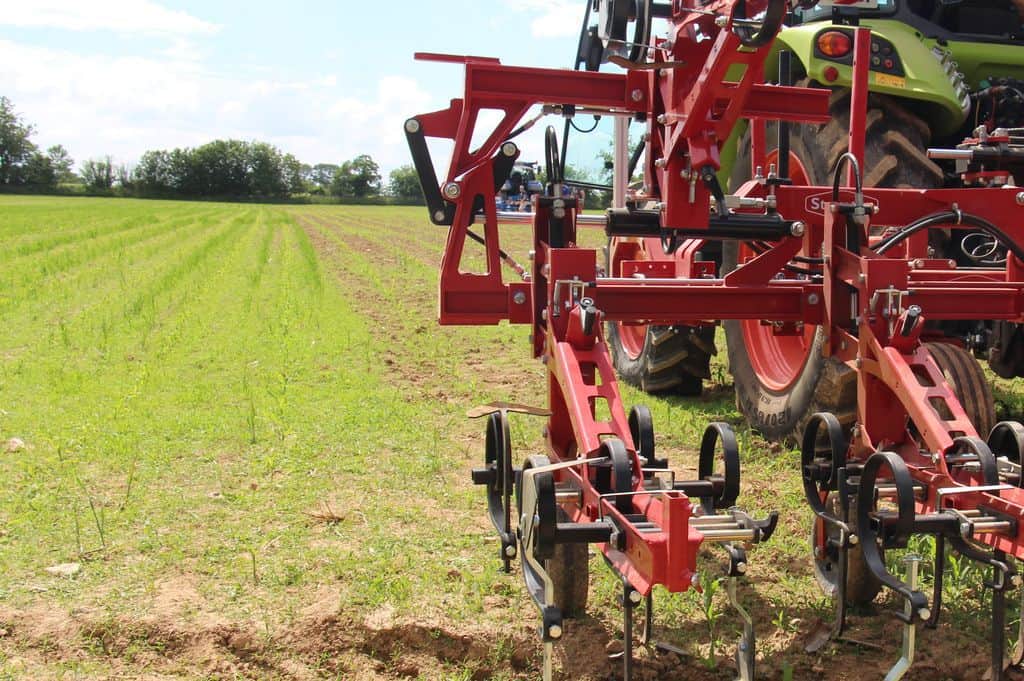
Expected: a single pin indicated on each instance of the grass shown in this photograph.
(245, 425)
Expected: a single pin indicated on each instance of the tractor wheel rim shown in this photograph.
(632, 337)
(778, 360)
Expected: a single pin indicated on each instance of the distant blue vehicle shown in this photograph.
(519, 188)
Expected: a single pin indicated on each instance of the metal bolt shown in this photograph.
(555, 631)
(452, 190)
(721, 22)
(510, 551)
(854, 540)
(637, 95)
(519, 298)
(531, 255)
(1020, 198)
(862, 277)
(813, 299)
(951, 263)
(635, 597)
(695, 579)
(924, 613)
(662, 119)
(509, 149)
(412, 126)
(741, 568)
(798, 229)
(439, 216)
(659, 163)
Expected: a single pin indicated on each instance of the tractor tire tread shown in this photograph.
(674, 359)
(968, 381)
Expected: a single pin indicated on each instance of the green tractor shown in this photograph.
(940, 70)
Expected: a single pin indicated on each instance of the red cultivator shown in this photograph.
(858, 267)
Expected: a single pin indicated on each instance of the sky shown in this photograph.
(324, 80)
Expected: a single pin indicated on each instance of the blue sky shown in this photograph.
(322, 79)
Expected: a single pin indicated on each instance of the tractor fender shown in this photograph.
(925, 81)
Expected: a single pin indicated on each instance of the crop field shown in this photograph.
(233, 445)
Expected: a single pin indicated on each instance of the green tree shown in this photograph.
(62, 163)
(322, 175)
(265, 176)
(404, 183)
(38, 172)
(153, 174)
(357, 178)
(125, 177)
(98, 173)
(15, 146)
(291, 169)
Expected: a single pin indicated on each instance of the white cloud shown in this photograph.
(553, 18)
(121, 16)
(122, 106)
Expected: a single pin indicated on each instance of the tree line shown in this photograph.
(218, 169)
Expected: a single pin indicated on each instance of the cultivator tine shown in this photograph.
(909, 618)
(746, 649)
(940, 567)
(648, 629)
(630, 599)
(1017, 654)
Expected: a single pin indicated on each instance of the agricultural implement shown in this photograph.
(855, 265)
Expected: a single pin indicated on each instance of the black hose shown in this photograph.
(597, 122)
(837, 173)
(955, 217)
(552, 164)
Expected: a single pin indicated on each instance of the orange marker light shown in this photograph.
(834, 44)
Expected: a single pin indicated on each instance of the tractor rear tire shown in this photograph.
(894, 151)
(569, 570)
(672, 359)
(966, 378)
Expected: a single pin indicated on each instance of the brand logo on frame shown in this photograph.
(815, 203)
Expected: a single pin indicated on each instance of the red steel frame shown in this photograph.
(691, 110)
